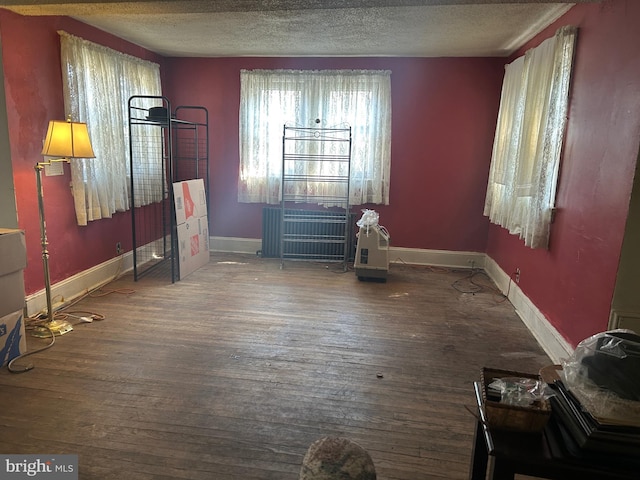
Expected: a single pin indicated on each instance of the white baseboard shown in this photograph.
(80, 284)
(440, 258)
(235, 245)
(547, 336)
(412, 256)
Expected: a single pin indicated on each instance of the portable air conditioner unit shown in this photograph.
(372, 253)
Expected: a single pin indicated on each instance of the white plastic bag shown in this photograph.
(603, 374)
(369, 218)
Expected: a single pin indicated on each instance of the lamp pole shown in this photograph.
(43, 241)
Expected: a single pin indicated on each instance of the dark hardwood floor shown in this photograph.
(234, 371)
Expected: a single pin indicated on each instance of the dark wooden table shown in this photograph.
(508, 453)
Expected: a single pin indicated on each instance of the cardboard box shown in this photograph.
(12, 340)
(193, 245)
(193, 225)
(503, 416)
(13, 260)
(190, 200)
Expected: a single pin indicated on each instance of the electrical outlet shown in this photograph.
(118, 248)
(517, 275)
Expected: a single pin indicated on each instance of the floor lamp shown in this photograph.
(65, 140)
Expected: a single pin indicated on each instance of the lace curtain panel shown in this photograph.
(529, 137)
(269, 99)
(97, 84)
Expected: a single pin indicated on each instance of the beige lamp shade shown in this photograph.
(67, 139)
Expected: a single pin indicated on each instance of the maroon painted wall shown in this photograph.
(33, 84)
(573, 282)
(444, 114)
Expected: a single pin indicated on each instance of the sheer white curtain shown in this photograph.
(97, 84)
(360, 99)
(528, 140)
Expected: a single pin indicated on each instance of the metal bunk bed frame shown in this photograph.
(182, 147)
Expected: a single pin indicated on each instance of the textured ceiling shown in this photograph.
(424, 28)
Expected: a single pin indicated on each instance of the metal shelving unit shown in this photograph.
(315, 170)
(165, 146)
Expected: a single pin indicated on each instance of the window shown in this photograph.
(97, 83)
(269, 99)
(528, 140)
